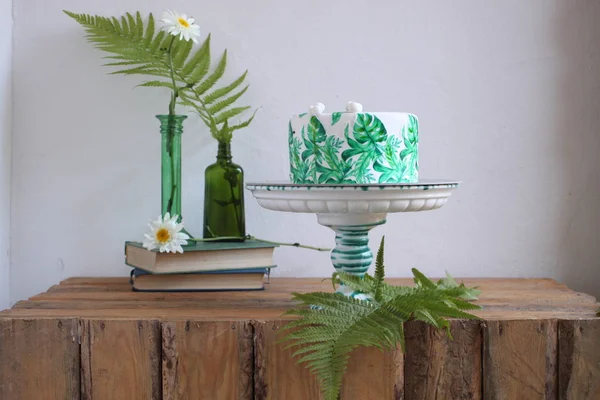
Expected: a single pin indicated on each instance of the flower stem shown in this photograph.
(172, 71)
(238, 220)
(171, 127)
(250, 237)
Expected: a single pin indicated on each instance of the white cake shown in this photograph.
(353, 146)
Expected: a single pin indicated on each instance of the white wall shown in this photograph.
(507, 92)
(5, 147)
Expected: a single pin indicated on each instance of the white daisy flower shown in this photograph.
(165, 234)
(180, 25)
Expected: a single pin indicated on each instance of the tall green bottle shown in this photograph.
(224, 213)
(171, 128)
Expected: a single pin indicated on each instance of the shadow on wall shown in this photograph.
(5, 173)
(578, 119)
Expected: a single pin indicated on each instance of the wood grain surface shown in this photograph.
(39, 359)
(579, 359)
(207, 360)
(438, 367)
(120, 360)
(536, 339)
(520, 359)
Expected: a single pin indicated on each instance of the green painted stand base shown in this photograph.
(352, 253)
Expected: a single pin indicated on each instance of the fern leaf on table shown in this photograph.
(332, 325)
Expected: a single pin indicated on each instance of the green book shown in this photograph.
(203, 256)
(208, 281)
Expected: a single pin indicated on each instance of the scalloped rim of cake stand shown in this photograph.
(347, 205)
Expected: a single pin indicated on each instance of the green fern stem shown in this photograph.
(224, 158)
(172, 72)
(234, 201)
(171, 127)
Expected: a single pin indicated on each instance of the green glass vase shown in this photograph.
(171, 128)
(224, 214)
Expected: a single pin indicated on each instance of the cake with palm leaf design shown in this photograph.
(353, 147)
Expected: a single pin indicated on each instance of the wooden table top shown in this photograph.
(84, 297)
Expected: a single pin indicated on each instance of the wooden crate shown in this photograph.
(95, 339)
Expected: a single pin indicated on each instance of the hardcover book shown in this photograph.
(226, 280)
(201, 257)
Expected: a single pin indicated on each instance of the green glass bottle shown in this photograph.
(224, 213)
(171, 128)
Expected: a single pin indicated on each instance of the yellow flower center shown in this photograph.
(183, 22)
(163, 235)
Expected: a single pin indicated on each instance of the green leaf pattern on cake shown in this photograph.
(390, 165)
(366, 146)
(300, 170)
(410, 154)
(335, 169)
(366, 153)
(335, 117)
(313, 142)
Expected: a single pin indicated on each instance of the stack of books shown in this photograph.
(205, 266)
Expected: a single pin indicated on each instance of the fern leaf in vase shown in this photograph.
(331, 325)
(136, 47)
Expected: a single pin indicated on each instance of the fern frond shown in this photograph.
(180, 51)
(328, 341)
(421, 280)
(356, 283)
(222, 105)
(379, 270)
(135, 48)
(157, 84)
(243, 124)
(326, 332)
(230, 113)
(201, 67)
(156, 43)
(139, 24)
(149, 34)
(199, 61)
(217, 94)
(210, 81)
(124, 39)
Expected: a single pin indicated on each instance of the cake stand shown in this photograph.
(352, 211)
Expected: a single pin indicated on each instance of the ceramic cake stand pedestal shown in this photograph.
(352, 211)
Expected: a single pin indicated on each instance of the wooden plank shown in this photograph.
(122, 288)
(276, 374)
(120, 360)
(508, 283)
(207, 303)
(251, 310)
(579, 359)
(88, 280)
(207, 360)
(491, 296)
(382, 370)
(437, 367)
(520, 359)
(285, 285)
(39, 357)
(226, 314)
(507, 299)
(222, 314)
